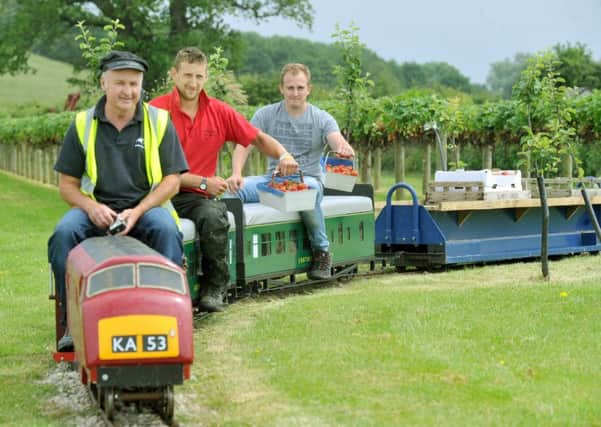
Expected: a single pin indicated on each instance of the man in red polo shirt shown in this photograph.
(203, 125)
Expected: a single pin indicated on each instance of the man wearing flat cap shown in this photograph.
(120, 160)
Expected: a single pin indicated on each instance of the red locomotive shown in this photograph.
(130, 316)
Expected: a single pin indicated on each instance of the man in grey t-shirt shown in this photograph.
(303, 130)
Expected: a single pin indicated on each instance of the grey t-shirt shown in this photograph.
(304, 137)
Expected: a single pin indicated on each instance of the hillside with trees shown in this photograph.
(258, 60)
(262, 58)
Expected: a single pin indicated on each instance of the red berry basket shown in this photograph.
(287, 193)
(339, 173)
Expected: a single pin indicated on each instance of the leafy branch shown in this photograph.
(92, 50)
(353, 86)
(544, 109)
(222, 83)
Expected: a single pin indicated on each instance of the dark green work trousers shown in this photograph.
(212, 226)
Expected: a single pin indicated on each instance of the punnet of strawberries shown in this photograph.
(288, 185)
(342, 169)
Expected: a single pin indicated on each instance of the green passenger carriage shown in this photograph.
(266, 245)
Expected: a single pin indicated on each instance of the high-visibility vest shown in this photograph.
(155, 125)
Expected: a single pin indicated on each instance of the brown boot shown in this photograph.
(321, 267)
(211, 303)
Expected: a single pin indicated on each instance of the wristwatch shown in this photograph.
(203, 184)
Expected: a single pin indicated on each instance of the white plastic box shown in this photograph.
(287, 201)
(338, 181)
(492, 179)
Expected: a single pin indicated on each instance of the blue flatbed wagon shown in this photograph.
(465, 232)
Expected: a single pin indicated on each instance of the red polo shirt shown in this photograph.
(202, 137)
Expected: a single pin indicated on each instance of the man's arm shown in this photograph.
(216, 185)
(340, 145)
(267, 145)
(101, 215)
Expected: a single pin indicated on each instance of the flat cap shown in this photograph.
(122, 60)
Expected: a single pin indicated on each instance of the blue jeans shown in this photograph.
(156, 228)
(314, 220)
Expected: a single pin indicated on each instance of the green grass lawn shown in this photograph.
(28, 215)
(477, 346)
(48, 87)
(491, 346)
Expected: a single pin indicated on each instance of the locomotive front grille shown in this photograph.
(140, 375)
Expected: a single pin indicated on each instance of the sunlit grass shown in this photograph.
(490, 345)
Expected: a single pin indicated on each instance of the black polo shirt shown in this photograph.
(120, 159)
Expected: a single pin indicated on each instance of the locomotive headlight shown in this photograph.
(172, 332)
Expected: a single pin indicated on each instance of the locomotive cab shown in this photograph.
(130, 316)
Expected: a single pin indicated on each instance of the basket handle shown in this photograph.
(325, 159)
(278, 173)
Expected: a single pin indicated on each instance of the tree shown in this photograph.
(541, 99)
(577, 66)
(443, 74)
(544, 110)
(353, 85)
(154, 29)
(504, 74)
(261, 89)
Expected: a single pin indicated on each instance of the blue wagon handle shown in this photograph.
(414, 212)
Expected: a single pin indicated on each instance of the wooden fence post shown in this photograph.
(567, 165)
(377, 169)
(13, 158)
(427, 167)
(399, 166)
(457, 155)
(30, 161)
(37, 175)
(366, 169)
(54, 173)
(441, 163)
(487, 156)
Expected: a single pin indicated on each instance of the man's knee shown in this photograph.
(159, 220)
(213, 219)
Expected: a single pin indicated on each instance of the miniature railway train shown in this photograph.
(130, 310)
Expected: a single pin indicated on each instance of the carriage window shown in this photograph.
(361, 231)
(111, 278)
(292, 241)
(340, 234)
(280, 242)
(265, 244)
(348, 233)
(157, 276)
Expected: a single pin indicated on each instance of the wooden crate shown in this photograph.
(449, 191)
(554, 187)
(592, 185)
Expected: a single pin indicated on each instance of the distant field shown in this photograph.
(48, 87)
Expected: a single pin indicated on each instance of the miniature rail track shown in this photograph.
(125, 409)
